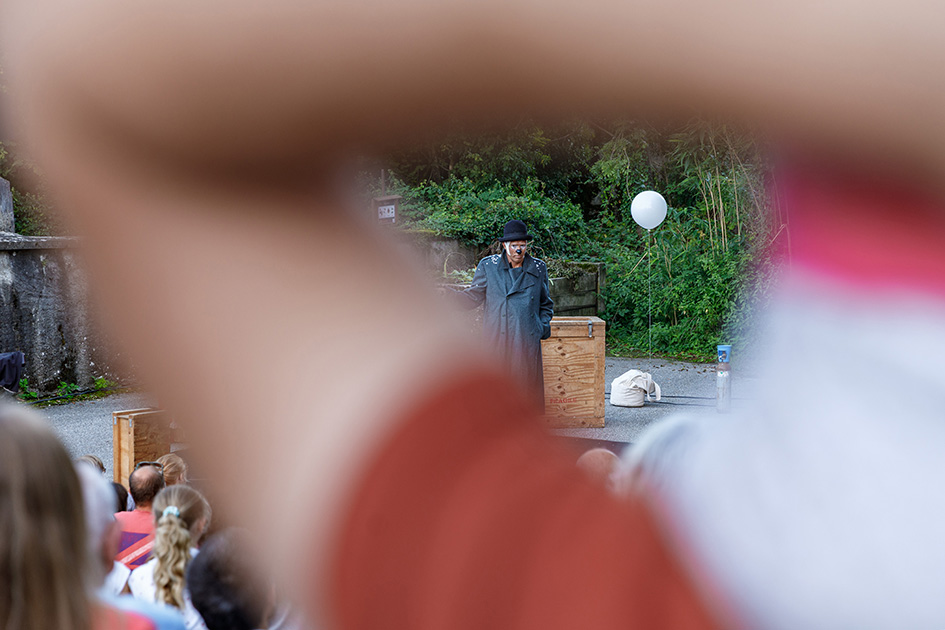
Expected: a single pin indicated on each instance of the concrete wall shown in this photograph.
(437, 254)
(44, 311)
(7, 219)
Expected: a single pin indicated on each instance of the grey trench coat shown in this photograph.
(516, 316)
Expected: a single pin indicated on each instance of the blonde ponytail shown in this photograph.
(178, 510)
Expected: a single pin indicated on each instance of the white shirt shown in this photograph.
(115, 581)
(142, 586)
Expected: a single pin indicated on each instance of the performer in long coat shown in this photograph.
(518, 308)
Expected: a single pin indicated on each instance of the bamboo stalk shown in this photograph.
(716, 216)
(738, 219)
(718, 184)
(708, 208)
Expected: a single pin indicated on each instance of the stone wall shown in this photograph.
(7, 219)
(439, 255)
(44, 311)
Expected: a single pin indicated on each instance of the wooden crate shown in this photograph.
(139, 435)
(573, 362)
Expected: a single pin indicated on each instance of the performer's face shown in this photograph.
(515, 251)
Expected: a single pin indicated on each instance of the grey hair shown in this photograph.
(98, 499)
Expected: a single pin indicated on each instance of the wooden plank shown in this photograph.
(576, 326)
(116, 449)
(138, 435)
(576, 321)
(574, 422)
(570, 401)
(151, 434)
(124, 447)
(131, 412)
(573, 365)
(600, 356)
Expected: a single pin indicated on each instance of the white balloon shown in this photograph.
(648, 209)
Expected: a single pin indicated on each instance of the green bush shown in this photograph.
(476, 216)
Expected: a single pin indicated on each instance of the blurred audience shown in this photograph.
(94, 461)
(47, 573)
(107, 576)
(121, 497)
(175, 469)
(137, 526)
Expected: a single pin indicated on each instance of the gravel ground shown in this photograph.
(85, 427)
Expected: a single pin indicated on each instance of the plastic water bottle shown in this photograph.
(723, 380)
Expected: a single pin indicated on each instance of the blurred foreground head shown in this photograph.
(599, 464)
(42, 528)
(227, 584)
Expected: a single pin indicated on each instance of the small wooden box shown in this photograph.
(573, 363)
(139, 435)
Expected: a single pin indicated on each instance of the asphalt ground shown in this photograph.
(85, 427)
(688, 387)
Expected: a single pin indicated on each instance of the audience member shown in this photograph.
(45, 578)
(599, 464)
(121, 497)
(226, 586)
(94, 461)
(182, 516)
(231, 591)
(175, 469)
(137, 526)
(107, 576)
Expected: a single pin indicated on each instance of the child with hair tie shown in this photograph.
(182, 516)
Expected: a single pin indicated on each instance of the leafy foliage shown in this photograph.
(25, 392)
(66, 389)
(476, 213)
(33, 214)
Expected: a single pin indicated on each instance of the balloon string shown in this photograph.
(649, 298)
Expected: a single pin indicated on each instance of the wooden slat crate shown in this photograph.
(139, 435)
(573, 363)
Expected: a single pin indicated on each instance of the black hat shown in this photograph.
(515, 230)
